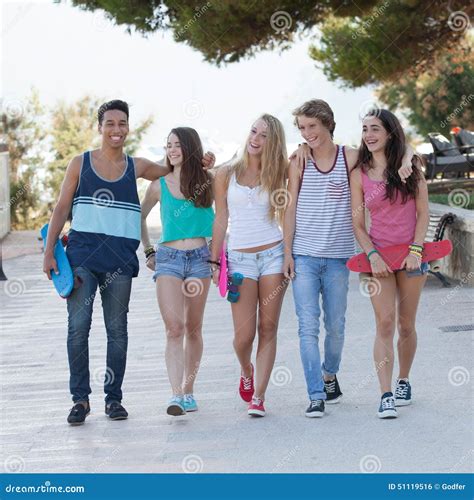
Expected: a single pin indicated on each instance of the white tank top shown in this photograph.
(249, 221)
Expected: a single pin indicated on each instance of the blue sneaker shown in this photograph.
(176, 406)
(190, 403)
(387, 406)
(403, 393)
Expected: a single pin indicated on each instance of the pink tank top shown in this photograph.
(391, 223)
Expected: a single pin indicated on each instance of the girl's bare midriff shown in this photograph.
(261, 248)
(186, 243)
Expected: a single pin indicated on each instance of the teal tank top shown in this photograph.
(181, 219)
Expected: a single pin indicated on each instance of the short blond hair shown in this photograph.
(317, 108)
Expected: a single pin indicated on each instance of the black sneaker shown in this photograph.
(78, 413)
(315, 409)
(115, 411)
(387, 406)
(403, 393)
(333, 391)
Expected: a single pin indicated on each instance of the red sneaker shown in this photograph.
(246, 388)
(256, 408)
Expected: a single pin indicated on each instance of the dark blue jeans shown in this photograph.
(115, 291)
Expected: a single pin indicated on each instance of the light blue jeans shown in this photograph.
(329, 278)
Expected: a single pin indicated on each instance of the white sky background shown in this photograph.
(65, 53)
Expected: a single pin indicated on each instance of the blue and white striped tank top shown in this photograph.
(323, 212)
(105, 229)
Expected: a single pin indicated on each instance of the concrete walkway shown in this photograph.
(435, 434)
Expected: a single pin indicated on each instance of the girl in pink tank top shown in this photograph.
(399, 214)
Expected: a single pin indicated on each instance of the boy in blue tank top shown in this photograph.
(100, 187)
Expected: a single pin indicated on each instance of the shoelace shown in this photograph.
(315, 402)
(388, 403)
(247, 383)
(402, 391)
(257, 401)
(330, 386)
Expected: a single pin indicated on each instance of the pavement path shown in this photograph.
(435, 434)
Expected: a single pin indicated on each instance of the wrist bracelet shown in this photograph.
(371, 252)
(217, 263)
(149, 251)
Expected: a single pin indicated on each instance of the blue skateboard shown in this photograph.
(64, 280)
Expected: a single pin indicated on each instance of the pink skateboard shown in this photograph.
(393, 256)
(223, 271)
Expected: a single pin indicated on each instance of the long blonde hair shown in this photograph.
(274, 166)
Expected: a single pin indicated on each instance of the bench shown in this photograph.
(436, 227)
(448, 158)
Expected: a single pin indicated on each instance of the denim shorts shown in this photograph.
(254, 265)
(182, 264)
(424, 268)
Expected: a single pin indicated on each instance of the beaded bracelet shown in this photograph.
(149, 251)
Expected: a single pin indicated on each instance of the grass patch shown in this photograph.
(457, 201)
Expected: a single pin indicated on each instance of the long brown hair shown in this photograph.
(195, 182)
(394, 152)
(274, 166)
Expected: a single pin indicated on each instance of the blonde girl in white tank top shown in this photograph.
(252, 194)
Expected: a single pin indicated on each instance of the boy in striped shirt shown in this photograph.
(319, 239)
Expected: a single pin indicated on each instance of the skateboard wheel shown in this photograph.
(233, 297)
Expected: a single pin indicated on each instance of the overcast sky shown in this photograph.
(65, 53)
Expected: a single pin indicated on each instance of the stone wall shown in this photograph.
(460, 264)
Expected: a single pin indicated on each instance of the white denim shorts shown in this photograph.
(253, 265)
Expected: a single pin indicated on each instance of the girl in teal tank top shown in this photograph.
(181, 259)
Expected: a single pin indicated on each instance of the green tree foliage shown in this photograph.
(362, 42)
(394, 39)
(41, 142)
(439, 98)
(74, 130)
(22, 129)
